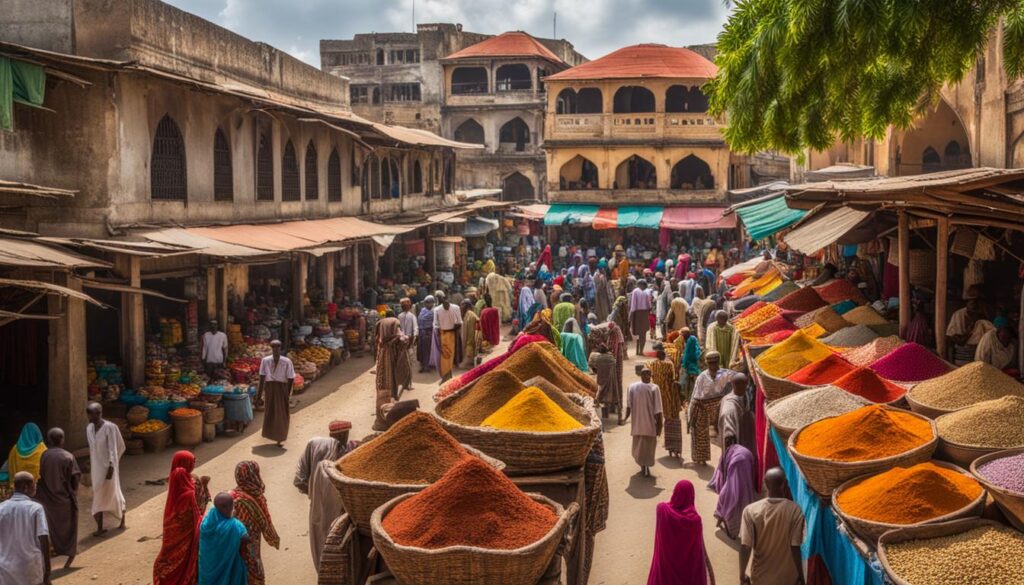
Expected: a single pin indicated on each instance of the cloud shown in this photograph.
(595, 27)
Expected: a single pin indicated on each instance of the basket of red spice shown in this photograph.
(472, 526)
(406, 458)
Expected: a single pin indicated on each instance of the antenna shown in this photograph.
(554, 26)
(413, 15)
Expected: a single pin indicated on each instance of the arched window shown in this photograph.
(289, 174)
(470, 131)
(392, 185)
(513, 77)
(312, 173)
(385, 178)
(469, 80)
(692, 173)
(371, 178)
(265, 168)
(578, 173)
(223, 180)
(376, 95)
(334, 176)
(565, 103)
(633, 99)
(930, 160)
(635, 173)
(682, 99)
(417, 177)
(516, 187)
(589, 100)
(167, 170)
(515, 132)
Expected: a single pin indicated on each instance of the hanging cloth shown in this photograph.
(19, 82)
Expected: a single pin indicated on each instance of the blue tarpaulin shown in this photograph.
(768, 217)
(640, 217)
(568, 214)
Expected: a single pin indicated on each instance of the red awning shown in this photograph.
(697, 218)
(607, 218)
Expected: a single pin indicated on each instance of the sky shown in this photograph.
(595, 27)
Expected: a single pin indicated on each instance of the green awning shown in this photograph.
(19, 82)
(569, 214)
(768, 217)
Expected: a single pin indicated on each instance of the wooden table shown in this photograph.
(564, 487)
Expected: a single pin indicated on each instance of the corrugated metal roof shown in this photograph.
(32, 254)
(640, 61)
(50, 287)
(509, 44)
(825, 229)
(417, 137)
(16, 188)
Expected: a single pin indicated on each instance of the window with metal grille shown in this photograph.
(167, 171)
(312, 174)
(289, 174)
(223, 181)
(265, 169)
(334, 176)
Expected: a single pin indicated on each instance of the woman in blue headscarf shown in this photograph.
(221, 539)
(25, 454)
(688, 349)
(572, 345)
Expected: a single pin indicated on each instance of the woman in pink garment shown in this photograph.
(679, 554)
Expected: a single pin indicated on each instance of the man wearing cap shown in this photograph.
(312, 479)
(644, 401)
(215, 348)
(277, 374)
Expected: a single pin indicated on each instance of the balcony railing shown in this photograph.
(647, 125)
(469, 87)
(635, 123)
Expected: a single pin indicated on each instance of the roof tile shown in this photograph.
(640, 61)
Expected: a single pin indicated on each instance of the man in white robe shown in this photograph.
(500, 290)
(997, 348)
(312, 478)
(106, 446)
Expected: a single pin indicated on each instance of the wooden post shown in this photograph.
(133, 326)
(374, 267)
(222, 297)
(353, 274)
(66, 371)
(904, 257)
(300, 265)
(329, 259)
(941, 278)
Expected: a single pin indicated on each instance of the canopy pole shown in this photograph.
(941, 281)
(904, 257)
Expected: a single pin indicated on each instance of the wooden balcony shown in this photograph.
(654, 126)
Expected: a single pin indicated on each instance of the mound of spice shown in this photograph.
(415, 451)
(794, 353)
(855, 336)
(908, 495)
(830, 320)
(750, 322)
(490, 393)
(803, 300)
(544, 359)
(987, 555)
(886, 329)
(867, 384)
(993, 424)
(822, 372)
(910, 362)
(812, 405)
(472, 505)
(868, 354)
(781, 291)
(532, 410)
(839, 290)
(814, 330)
(868, 433)
(771, 338)
(864, 315)
(752, 308)
(844, 306)
(966, 385)
(1006, 472)
(770, 327)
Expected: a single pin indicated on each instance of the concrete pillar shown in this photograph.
(300, 265)
(221, 294)
(374, 263)
(211, 294)
(328, 275)
(67, 397)
(904, 259)
(353, 273)
(133, 325)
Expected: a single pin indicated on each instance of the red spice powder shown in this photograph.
(825, 371)
(751, 309)
(773, 325)
(867, 384)
(804, 300)
(472, 505)
(910, 362)
(840, 290)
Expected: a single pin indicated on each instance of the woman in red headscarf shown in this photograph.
(679, 554)
(187, 496)
(545, 259)
(251, 509)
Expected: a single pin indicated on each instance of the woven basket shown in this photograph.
(962, 455)
(469, 565)
(527, 452)
(155, 441)
(213, 415)
(824, 475)
(1011, 503)
(775, 388)
(871, 531)
(925, 531)
(360, 497)
(929, 411)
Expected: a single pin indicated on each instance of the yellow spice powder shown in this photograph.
(532, 410)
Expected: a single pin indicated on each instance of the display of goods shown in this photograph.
(185, 412)
(472, 505)
(299, 381)
(867, 384)
(751, 309)
(910, 362)
(770, 327)
(814, 330)
(781, 291)
(803, 300)
(489, 393)
(772, 338)
(150, 426)
(415, 450)
(966, 385)
(154, 392)
(987, 555)
(792, 354)
(844, 307)
(908, 495)
(812, 405)
(750, 322)
(1005, 472)
(532, 410)
(823, 371)
(170, 332)
(993, 424)
(855, 336)
(544, 359)
(830, 320)
(865, 315)
(866, 434)
(871, 352)
(840, 290)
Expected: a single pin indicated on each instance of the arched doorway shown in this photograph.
(470, 131)
(633, 99)
(578, 173)
(635, 173)
(515, 135)
(517, 187)
(937, 142)
(692, 173)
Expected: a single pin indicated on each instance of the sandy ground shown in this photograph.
(126, 557)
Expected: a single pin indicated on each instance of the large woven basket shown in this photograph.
(871, 531)
(469, 565)
(825, 475)
(962, 455)
(775, 388)
(919, 408)
(925, 531)
(155, 441)
(360, 497)
(1011, 503)
(525, 452)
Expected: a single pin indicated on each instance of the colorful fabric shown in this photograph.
(733, 481)
(177, 562)
(220, 539)
(393, 368)
(699, 420)
(490, 325)
(562, 313)
(663, 375)
(26, 453)
(251, 509)
(679, 555)
(572, 349)
(690, 361)
(449, 339)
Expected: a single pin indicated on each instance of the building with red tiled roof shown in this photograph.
(509, 44)
(642, 62)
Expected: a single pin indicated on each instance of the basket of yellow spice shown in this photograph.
(869, 440)
(925, 493)
(538, 429)
(785, 358)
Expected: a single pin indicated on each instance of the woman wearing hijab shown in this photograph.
(675, 319)
(490, 323)
(544, 261)
(393, 369)
(686, 286)
(187, 496)
(25, 454)
(603, 293)
(425, 338)
(571, 338)
(688, 348)
(609, 335)
(586, 289)
(734, 483)
(563, 311)
(620, 316)
(679, 553)
(251, 509)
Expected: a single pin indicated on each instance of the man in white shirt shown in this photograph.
(448, 322)
(277, 374)
(215, 348)
(25, 554)
(106, 447)
(644, 401)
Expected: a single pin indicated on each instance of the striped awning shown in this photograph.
(640, 216)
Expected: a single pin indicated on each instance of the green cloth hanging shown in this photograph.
(19, 82)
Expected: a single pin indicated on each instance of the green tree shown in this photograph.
(794, 74)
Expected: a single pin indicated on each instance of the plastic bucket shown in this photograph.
(237, 407)
(159, 410)
(188, 430)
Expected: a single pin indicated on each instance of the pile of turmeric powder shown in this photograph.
(868, 433)
(532, 410)
(908, 495)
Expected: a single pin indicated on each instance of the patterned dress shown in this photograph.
(251, 510)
